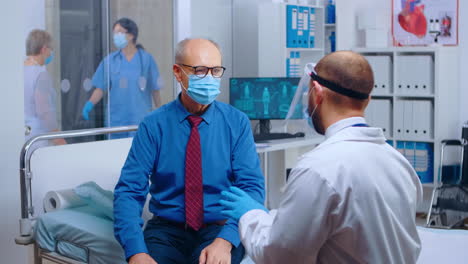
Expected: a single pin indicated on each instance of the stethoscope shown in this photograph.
(142, 80)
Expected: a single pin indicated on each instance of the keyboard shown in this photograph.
(273, 136)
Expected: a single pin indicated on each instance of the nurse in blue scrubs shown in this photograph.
(131, 77)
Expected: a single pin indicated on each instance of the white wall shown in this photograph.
(213, 19)
(463, 67)
(12, 128)
(34, 16)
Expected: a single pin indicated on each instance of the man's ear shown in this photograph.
(318, 93)
(177, 72)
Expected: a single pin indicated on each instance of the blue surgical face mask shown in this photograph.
(50, 58)
(120, 41)
(203, 91)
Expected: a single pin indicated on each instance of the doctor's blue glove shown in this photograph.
(236, 203)
(86, 109)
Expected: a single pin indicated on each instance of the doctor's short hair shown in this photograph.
(36, 40)
(349, 70)
(180, 48)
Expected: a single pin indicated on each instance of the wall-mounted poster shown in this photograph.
(425, 22)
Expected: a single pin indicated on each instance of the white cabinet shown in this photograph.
(415, 100)
(278, 39)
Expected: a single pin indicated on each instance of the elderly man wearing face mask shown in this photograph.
(352, 199)
(191, 150)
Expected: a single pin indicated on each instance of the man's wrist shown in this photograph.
(224, 242)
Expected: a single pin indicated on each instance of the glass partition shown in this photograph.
(106, 70)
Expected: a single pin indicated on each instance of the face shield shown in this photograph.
(294, 123)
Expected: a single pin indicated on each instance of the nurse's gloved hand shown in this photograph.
(86, 109)
(236, 203)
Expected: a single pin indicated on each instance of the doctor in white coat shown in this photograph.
(352, 199)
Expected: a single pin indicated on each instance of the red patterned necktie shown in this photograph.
(193, 178)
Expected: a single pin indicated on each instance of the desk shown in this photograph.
(274, 157)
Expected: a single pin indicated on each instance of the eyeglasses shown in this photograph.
(202, 71)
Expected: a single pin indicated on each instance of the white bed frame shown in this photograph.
(64, 167)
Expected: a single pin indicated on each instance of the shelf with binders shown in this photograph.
(289, 37)
(414, 74)
(414, 119)
(422, 87)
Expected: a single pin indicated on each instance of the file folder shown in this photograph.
(300, 27)
(312, 27)
(399, 118)
(382, 115)
(400, 147)
(305, 26)
(408, 119)
(291, 26)
(424, 165)
(410, 151)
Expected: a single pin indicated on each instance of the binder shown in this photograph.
(400, 147)
(312, 27)
(408, 119)
(403, 80)
(291, 64)
(410, 151)
(424, 165)
(399, 118)
(298, 64)
(382, 116)
(304, 40)
(420, 74)
(383, 69)
(426, 118)
(300, 27)
(291, 26)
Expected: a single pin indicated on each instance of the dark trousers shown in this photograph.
(170, 243)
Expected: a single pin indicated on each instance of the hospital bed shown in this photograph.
(69, 239)
(74, 235)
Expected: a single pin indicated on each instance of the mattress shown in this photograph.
(80, 233)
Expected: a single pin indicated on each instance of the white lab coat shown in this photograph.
(352, 199)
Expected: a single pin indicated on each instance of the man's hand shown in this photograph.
(218, 252)
(141, 258)
(236, 203)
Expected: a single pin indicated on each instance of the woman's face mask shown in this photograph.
(203, 91)
(120, 40)
(50, 58)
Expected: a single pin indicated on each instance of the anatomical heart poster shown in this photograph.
(425, 22)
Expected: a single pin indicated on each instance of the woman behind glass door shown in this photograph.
(39, 93)
(131, 77)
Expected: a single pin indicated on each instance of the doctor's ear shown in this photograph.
(318, 92)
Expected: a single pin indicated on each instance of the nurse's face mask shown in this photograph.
(120, 40)
(203, 88)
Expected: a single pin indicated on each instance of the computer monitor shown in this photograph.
(265, 99)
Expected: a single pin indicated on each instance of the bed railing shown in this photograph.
(27, 209)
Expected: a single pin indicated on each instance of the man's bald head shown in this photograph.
(188, 48)
(348, 69)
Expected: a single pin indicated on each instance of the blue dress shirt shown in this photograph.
(229, 158)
